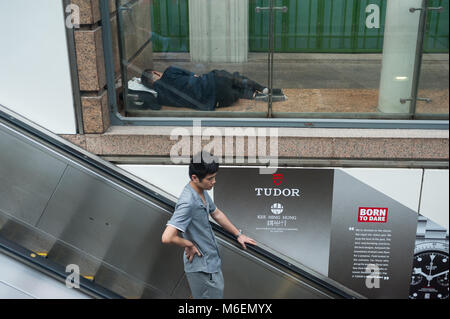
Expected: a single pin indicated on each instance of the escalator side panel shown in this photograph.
(85, 210)
(107, 223)
(28, 178)
(241, 270)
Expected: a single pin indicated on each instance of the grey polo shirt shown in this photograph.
(191, 218)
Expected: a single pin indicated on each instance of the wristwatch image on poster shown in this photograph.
(429, 277)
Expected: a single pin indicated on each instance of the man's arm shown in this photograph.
(223, 221)
(170, 236)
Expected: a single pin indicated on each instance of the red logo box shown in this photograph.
(372, 214)
(277, 178)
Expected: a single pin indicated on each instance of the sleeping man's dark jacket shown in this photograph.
(178, 87)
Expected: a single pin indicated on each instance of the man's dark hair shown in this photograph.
(147, 78)
(202, 164)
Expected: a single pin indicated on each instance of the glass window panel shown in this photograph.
(169, 35)
(332, 58)
(433, 82)
(355, 59)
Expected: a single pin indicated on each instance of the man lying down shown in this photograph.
(206, 92)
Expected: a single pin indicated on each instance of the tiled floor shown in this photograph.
(329, 101)
(318, 83)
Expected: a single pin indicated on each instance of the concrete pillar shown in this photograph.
(399, 55)
(218, 30)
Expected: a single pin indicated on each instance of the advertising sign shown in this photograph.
(290, 212)
(370, 228)
(341, 227)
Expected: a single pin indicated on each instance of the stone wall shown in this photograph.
(91, 64)
(137, 51)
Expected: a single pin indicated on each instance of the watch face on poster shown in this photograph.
(429, 278)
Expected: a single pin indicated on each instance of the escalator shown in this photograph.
(61, 206)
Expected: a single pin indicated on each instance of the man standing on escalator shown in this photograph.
(202, 263)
